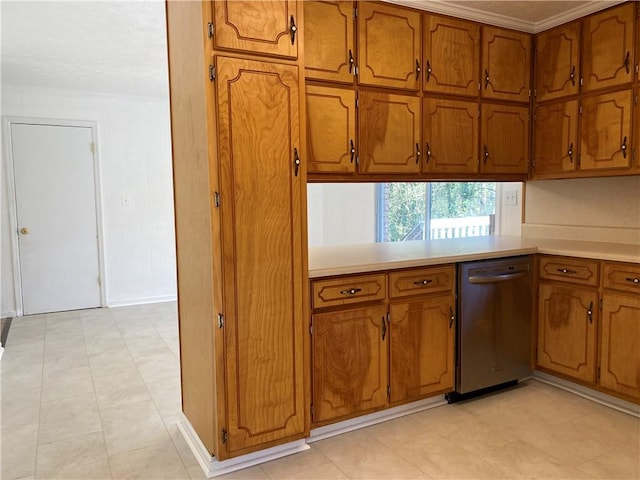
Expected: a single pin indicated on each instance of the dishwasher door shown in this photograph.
(494, 329)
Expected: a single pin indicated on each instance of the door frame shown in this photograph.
(7, 121)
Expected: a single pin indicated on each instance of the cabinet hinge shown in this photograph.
(479, 86)
(581, 81)
(535, 92)
(598, 375)
(633, 154)
(355, 12)
(356, 71)
(220, 320)
(212, 73)
(311, 329)
(313, 411)
(357, 102)
(388, 391)
(210, 29)
(388, 318)
(635, 100)
(600, 304)
(93, 148)
(357, 160)
(529, 93)
(216, 199)
(637, 66)
(225, 436)
(580, 109)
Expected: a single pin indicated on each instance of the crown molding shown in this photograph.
(445, 7)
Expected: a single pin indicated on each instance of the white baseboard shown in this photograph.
(214, 468)
(589, 394)
(10, 313)
(140, 301)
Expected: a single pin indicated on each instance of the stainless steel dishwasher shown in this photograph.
(494, 324)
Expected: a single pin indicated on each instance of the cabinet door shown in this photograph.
(331, 129)
(349, 362)
(556, 138)
(255, 26)
(557, 56)
(505, 139)
(506, 64)
(450, 136)
(567, 330)
(607, 48)
(261, 198)
(451, 55)
(329, 52)
(422, 336)
(620, 344)
(388, 46)
(389, 131)
(605, 133)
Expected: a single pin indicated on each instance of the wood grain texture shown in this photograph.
(504, 139)
(450, 136)
(566, 336)
(624, 277)
(422, 347)
(421, 281)
(349, 290)
(261, 213)
(349, 362)
(256, 26)
(557, 68)
(607, 38)
(389, 42)
(620, 344)
(389, 131)
(567, 269)
(556, 138)
(605, 133)
(331, 129)
(452, 54)
(329, 38)
(506, 58)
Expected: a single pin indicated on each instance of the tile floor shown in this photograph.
(95, 394)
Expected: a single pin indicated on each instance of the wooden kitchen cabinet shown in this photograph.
(607, 48)
(331, 130)
(451, 55)
(557, 67)
(389, 132)
(450, 136)
(506, 64)
(329, 43)
(349, 362)
(258, 27)
(556, 138)
(504, 139)
(605, 131)
(389, 42)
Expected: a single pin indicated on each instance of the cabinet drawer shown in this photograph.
(620, 276)
(567, 269)
(406, 283)
(348, 290)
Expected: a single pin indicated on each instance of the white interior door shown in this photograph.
(56, 215)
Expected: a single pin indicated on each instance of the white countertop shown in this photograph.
(370, 257)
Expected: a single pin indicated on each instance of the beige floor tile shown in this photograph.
(64, 338)
(20, 407)
(394, 431)
(154, 463)
(444, 420)
(195, 473)
(107, 363)
(120, 389)
(326, 471)
(25, 334)
(251, 473)
(188, 459)
(68, 418)
(19, 460)
(66, 383)
(296, 463)
(166, 397)
(613, 465)
(26, 378)
(65, 358)
(17, 357)
(103, 343)
(133, 426)
(78, 458)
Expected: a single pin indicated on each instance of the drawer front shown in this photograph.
(406, 283)
(566, 269)
(349, 290)
(620, 276)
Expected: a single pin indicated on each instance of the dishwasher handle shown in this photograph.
(497, 278)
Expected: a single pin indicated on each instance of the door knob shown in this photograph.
(24, 231)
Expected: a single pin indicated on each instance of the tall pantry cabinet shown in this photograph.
(240, 200)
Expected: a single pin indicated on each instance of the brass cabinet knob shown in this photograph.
(24, 231)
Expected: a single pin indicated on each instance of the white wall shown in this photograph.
(134, 149)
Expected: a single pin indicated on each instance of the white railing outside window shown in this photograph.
(462, 227)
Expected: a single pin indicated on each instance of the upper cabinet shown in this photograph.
(556, 138)
(506, 64)
(389, 40)
(329, 42)
(557, 69)
(607, 47)
(505, 139)
(236, 26)
(451, 55)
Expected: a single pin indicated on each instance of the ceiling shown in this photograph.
(119, 47)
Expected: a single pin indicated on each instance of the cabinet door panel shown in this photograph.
(620, 344)
(556, 138)
(329, 52)
(258, 127)
(331, 129)
(256, 26)
(605, 138)
(505, 139)
(389, 131)
(566, 331)
(450, 136)
(451, 55)
(607, 47)
(349, 362)
(506, 64)
(422, 335)
(557, 57)
(389, 46)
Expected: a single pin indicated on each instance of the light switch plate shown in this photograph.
(510, 198)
